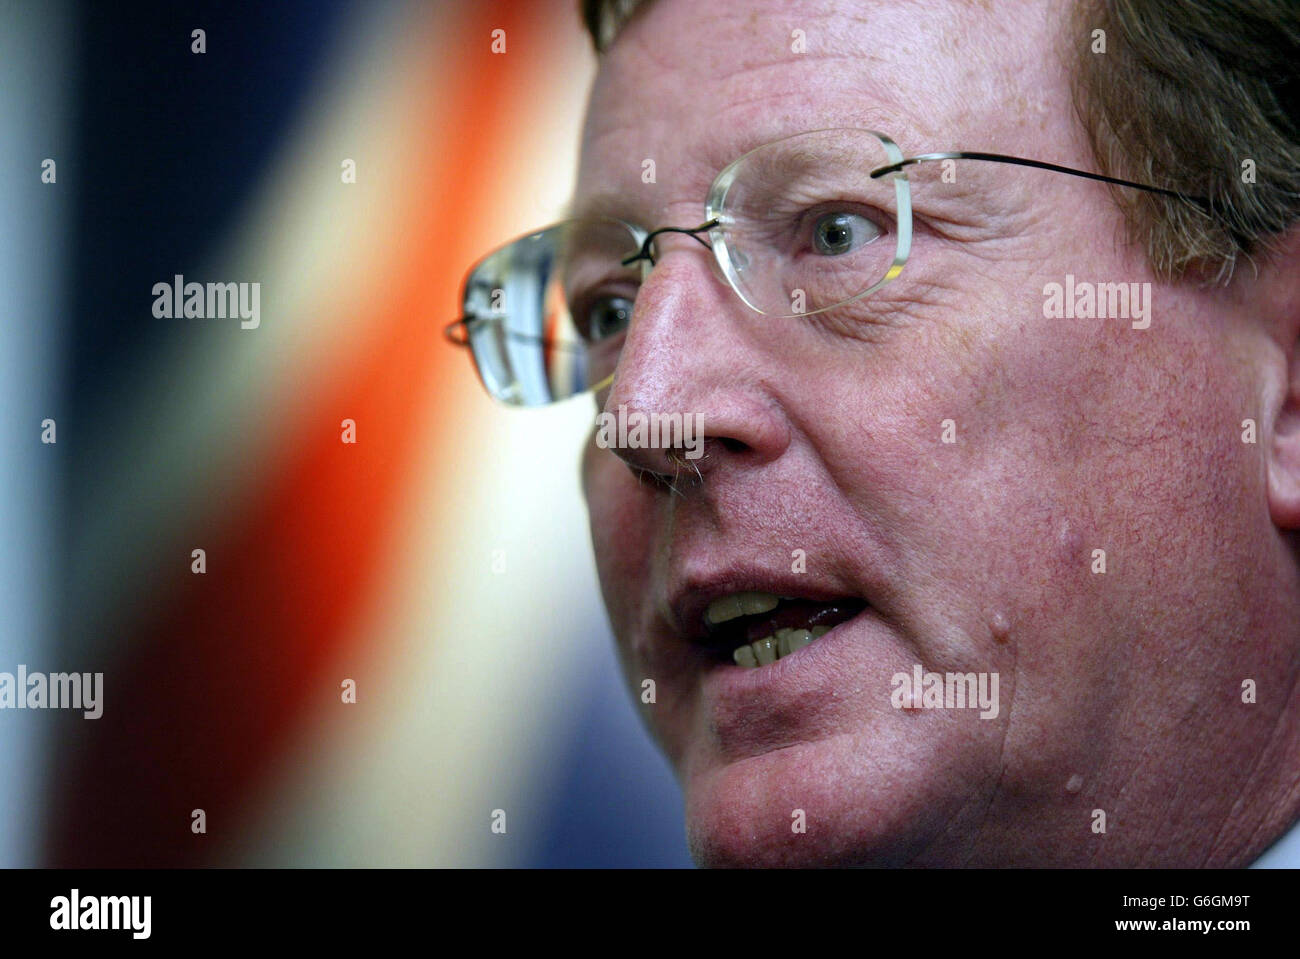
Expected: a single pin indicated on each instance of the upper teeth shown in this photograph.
(771, 648)
(739, 604)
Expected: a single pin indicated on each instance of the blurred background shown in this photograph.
(441, 562)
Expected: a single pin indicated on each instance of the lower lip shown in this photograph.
(821, 666)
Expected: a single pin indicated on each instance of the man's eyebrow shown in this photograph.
(616, 204)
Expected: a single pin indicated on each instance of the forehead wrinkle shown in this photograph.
(726, 139)
(743, 51)
(704, 127)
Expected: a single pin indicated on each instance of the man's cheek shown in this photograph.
(604, 489)
(589, 466)
(620, 532)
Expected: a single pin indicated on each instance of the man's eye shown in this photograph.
(835, 234)
(607, 316)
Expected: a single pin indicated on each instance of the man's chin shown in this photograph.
(810, 804)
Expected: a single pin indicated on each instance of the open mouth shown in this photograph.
(755, 629)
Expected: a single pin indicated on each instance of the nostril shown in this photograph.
(732, 445)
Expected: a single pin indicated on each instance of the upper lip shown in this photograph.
(690, 595)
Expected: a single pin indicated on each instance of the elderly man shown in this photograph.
(947, 478)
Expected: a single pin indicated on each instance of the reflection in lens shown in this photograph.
(526, 343)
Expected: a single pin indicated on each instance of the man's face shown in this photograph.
(939, 451)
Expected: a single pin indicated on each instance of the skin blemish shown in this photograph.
(1070, 539)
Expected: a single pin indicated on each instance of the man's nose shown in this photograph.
(692, 349)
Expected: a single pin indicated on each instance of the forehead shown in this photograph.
(692, 85)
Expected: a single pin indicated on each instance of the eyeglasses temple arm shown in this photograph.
(1202, 202)
(457, 331)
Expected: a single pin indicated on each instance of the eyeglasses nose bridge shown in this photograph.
(647, 245)
(647, 254)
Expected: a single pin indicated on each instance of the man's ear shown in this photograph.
(1283, 451)
(1280, 302)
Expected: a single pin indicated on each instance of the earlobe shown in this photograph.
(1276, 300)
(1282, 449)
(1284, 495)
